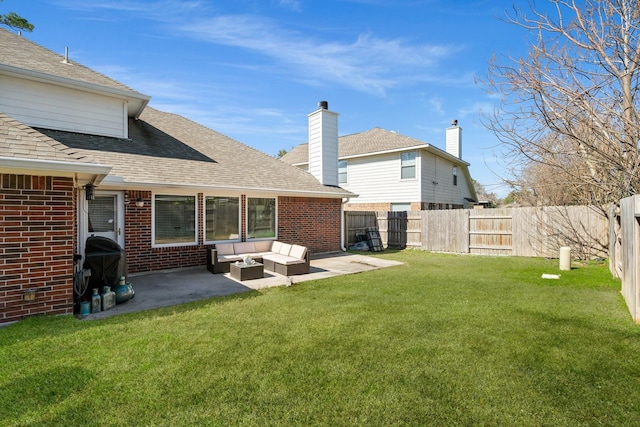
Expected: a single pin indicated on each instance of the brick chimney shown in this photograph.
(323, 145)
(454, 140)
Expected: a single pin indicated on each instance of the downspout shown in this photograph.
(342, 224)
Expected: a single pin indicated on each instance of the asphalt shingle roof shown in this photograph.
(18, 140)
(371, 141)
(168, 149)
(22, 53)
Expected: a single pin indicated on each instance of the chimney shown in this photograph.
(323, 145)
(454, 140)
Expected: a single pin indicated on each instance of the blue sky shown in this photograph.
(254, 69)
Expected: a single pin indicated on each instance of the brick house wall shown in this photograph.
(311, 222)
(141, 256)
(37, 229)
(38, 226)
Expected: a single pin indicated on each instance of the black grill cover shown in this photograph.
(107, 261)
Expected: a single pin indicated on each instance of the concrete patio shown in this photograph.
(162, 289)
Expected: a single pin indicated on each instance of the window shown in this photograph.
(400, 207)
(174, 220)
(408, 165)
(455, 175)
(222, 218)
(342, 172)
(261, 218)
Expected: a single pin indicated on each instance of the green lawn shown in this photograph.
(441, 340)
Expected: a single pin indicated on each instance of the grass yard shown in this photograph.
(441, 340)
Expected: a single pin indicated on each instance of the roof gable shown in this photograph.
(20, 56)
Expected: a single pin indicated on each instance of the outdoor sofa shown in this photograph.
(282, 258)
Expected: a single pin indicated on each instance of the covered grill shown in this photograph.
(107, 262)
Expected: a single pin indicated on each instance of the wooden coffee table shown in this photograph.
(246, 272)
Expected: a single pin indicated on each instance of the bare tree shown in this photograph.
(570, 107)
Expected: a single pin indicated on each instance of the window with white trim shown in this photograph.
(455, 175)
(222, 218)
(261, 218)
(174, 220)
(408, 165)
(342, 172)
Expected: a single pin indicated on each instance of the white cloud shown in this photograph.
(368, 64)
(362, 62)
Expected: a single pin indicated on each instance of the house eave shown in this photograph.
(82, 172)
(114, 182)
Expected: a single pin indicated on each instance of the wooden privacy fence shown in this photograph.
(506, 231)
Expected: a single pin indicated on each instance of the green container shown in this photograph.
(85, 308)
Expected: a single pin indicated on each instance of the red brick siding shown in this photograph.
(37, 229)
(141, 257)
(311, 222)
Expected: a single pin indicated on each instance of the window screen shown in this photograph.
(261, 218)
(174, 219)
(222, 215)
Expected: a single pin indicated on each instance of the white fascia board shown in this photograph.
(119, 183)
(137, 100)
(53, 166)
(87, 171)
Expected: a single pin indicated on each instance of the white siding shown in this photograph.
(53, 107)
(376, 179)
(454, 141)
(438, 170)
(323, 146)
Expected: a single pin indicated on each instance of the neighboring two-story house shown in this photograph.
(84, 155)
(393, 172)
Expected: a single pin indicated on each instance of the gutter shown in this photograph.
(118, 182)
(55, 166)
(343, 236)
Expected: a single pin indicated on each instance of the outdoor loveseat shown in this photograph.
(282, 258)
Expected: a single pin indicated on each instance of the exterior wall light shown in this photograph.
(90, 191)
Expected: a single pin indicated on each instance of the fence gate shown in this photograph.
(397, 229)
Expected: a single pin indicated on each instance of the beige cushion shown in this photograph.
(244, 247)
(225, 249)
(275, 246)
(297, 251)
(285, 249)
(263, 245)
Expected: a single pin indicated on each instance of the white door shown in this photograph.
(104, 216)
